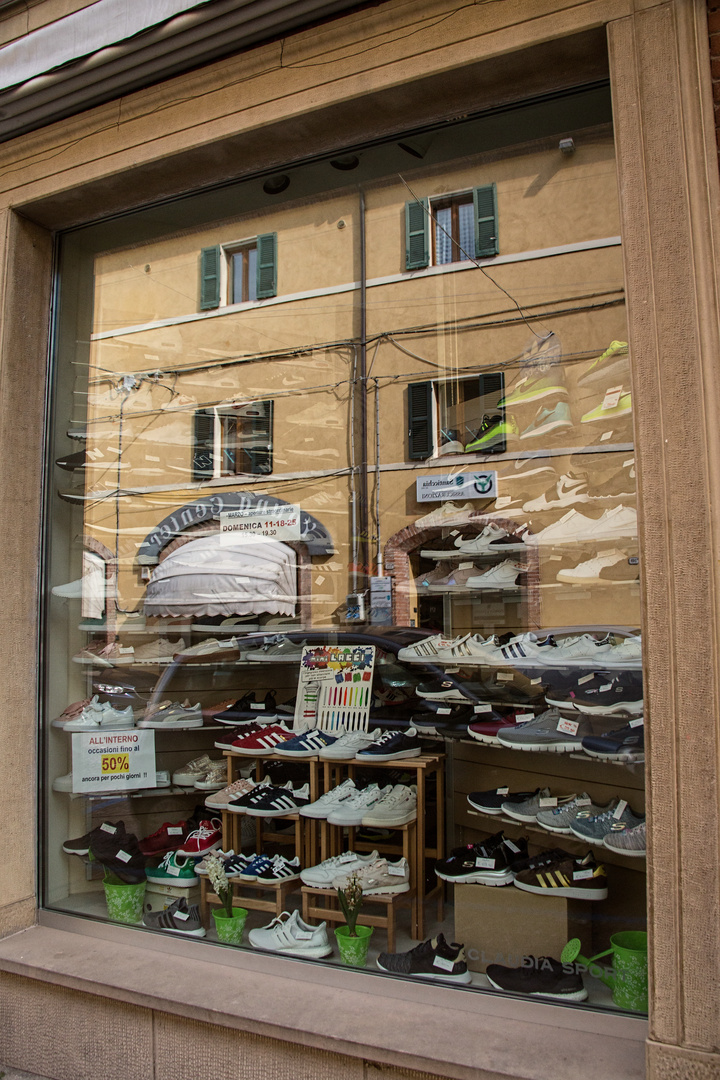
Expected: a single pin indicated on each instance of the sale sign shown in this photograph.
(104, 762)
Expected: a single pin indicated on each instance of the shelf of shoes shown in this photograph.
(268, 896)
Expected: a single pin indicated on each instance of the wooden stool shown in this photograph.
(275, 899)
(331, 912)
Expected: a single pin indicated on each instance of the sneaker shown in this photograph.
(221, 800)
(448, 547)
(625, 744)
(392, 745)
(211, 651)
(568, 490)
(71, 712)
(352, 810)
(533, 387)
(214, 778)
(179, 918)
(584, 650)
(81, 844)
(324, 874)
(169, 837)
(559, 818)
(578, 879)
(273, 801)
(188, 774)
(308, 744)
(171, 715)
(347, 746)
(524, 467)
(237, 803)
(619, 486)
(512, 541)
(623, 407)
(549, 732)
(246, 708)
(427, 578)
(254, 867)
(613, 359)
(454, 690)
(280, 869)
(446, 514)
(491, 802)
(456, 580)
(628, 654)
(290, 935)
(506, 575)
(396, 808)
(523, 651)
(425, 651)
(262, 742)
(492, 436)
(593, 828)
(206, 837)
(330, 800)
(539, 977)
(160, 651)
(119, 853)
(105, 654)
(480, 544)
(378, 878)
(283, 651)
(201, 867)
(232, 736)
(632, 841)
(610, 566)
(547, 420)
(600, 695)
(483, 863)
(174, 870)
(435, 959)
(488, 730)
(470, 649)
(528, 810)
(98, 716)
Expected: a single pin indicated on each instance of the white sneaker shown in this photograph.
(616, 524)
(427, 649)
(568, 491)
(214, 778)
(446, 514)
(397, 808)
(480, 545)
(351, 811)
(330, 800)
(323, 875)
(628, 654)
(160, 651)
(506, 575)
(589, 572)
(101, 717)
(582, 650)
(290, 935)
(379, 877)
(468, 650)
(572, 527)
(347, 746)
(170, 715)
(189, 773)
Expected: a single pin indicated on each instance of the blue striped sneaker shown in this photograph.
(595, 827)
(308, 743)
(254, 867)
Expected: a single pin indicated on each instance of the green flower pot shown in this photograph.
(230, 930)
(353, 950)
(125, 902)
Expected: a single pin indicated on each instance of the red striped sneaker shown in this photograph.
(262, 742)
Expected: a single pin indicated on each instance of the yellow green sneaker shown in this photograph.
(532, 388)
(623, 408)
(492, 436)
(613, 359)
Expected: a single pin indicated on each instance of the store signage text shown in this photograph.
(260, 523)
(104, 762)
(443, 486)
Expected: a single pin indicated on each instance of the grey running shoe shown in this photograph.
(526, 810)
(549, 731)
(559, 818)
(628, 841)
(593, 828)
(179, 918)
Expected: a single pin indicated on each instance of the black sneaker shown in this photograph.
(486, 863)
(120, 854)
(179, 918)
(72, 461)
(625, 744)
(280, 869)
(81, 845)
(539, 977)
(490, 802)
(391, 745)
(248, 709)
(602, 695)
(534, 862)
(275, 801)
(451, 689)
(433, 959)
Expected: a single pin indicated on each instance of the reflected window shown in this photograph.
(233, 439)
(242, 273)
(453, 229)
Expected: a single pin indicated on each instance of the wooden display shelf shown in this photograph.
(312, 908)
(276, 902)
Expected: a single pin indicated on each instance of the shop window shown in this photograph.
(238, 273)
(456, 416)
(231, 440)
(452, 229)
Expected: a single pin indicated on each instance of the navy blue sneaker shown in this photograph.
(307, 744)
(391, 745)
(246, 709)
(625, 744)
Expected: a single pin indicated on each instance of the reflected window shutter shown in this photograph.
(266, 265)
(417, 234)
(209, 278)
(486, 225)
(261, 456)
(421, 441)
(203, 443)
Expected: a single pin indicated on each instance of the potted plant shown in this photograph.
(125, 900)
(229, 920)
(353, 940)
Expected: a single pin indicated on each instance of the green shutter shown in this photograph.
(486, 226)
(421, 441)
(261, 455)
(266, 265)
(209, 278)
(417, 234)
(203, 445)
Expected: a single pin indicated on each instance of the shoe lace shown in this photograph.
(203, 832)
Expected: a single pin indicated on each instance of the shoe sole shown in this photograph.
(388, 890)
(176, 882)
(483, 809)
(623, 851)
(239, 721)
(569, 892)
(258, 752)
(277, 880)
(566, 831)
(169, 725)
(620, 708)
(200, 932)
(315, 953)
(399, 754)
(546, 429)
(491, 740)
(100, 727)
(199, 854)
(478, 877)
(388, 823)
(609, 415)
(452, 695)
(510, 403)
(622, 756)
(602, 371)
(271, 813)
(205, 786)
(76, 851)
(299, 754)
(554, 748)
(465, 978)
(575, 995)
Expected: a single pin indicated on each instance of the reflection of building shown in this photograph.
(355, 86)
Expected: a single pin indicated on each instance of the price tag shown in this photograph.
(583, 801)
(174, 870)
(444, 711)
(586, 679)
(582, 875)
(555, 558)
(612, 396)
(504, 500)
(484, 864)
(605, 687)
(123, 856)
(502, 791)
(466, 566)
(638, 722)
(348, 856)
(115, 763)
(605, 436)
(534, 682)
(112, 829)
(505, 676)
(512, 847)
(454, 532)
(630, 461)
(175, 830)
(551, 800)
(524, 717)
(183, 916)
(443, 963)
(619, 809)
(568, 727)
(396, 871)
(258, 705)
(478, 709)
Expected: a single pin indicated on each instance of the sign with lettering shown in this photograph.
(105, 762)
(443, 486)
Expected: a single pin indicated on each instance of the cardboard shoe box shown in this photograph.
(500, 925)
